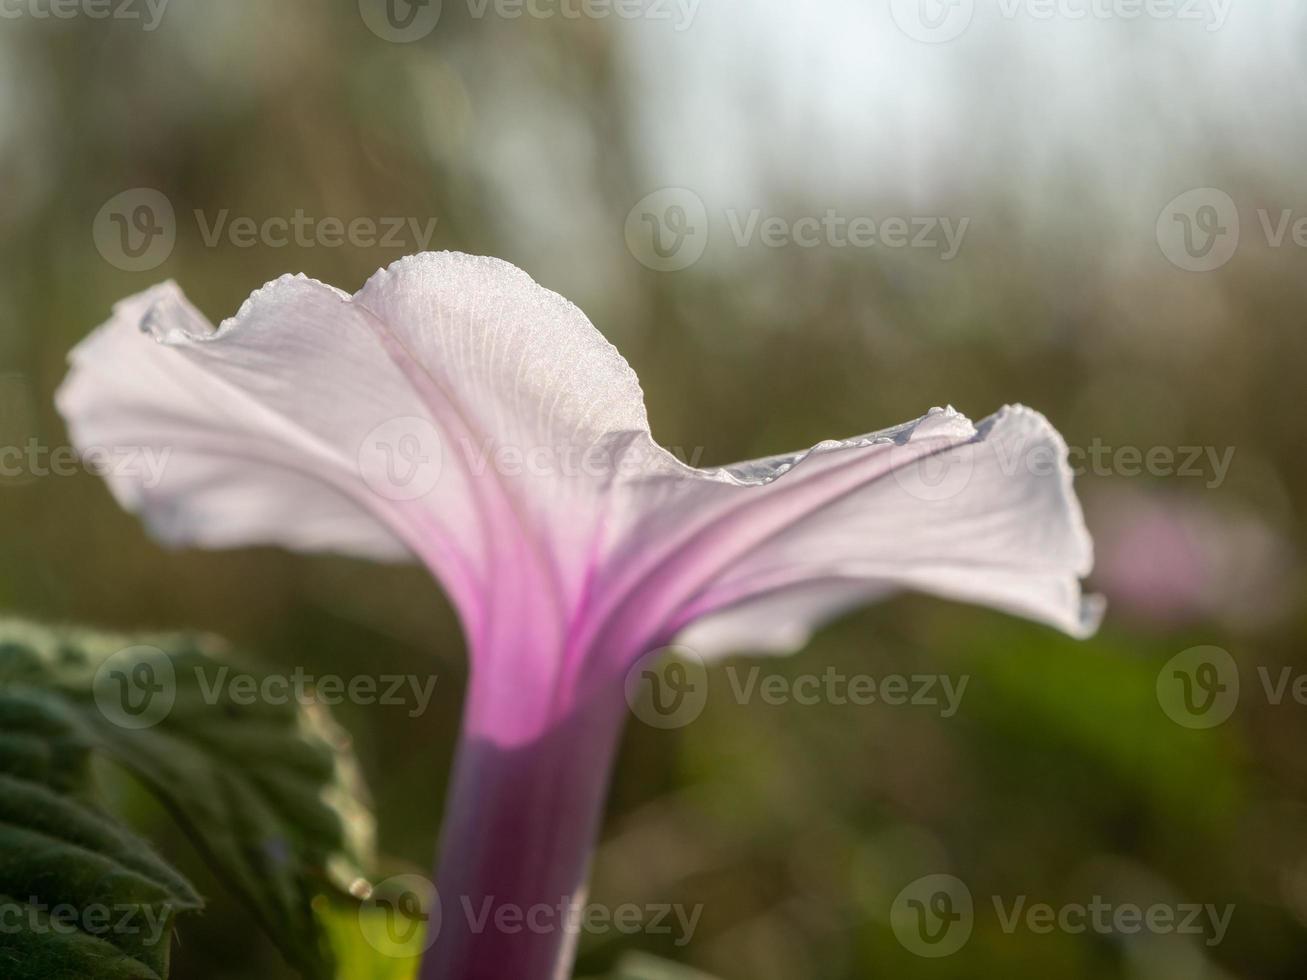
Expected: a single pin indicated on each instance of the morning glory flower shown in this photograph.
(456, 412)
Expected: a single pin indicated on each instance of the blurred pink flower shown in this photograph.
(454, 411)
(1175, 559)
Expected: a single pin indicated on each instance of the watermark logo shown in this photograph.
(149, 13)
(220, 683)
(1106, 918)
(135, 687)
(668, 688)
(402, 459)
(1199, 230)
(308, 231)
(35, 917)
(17, 422)
(405, 21)
(934, 476)
(1199, 687)
(401, 916)
(944, 474)
(941, 692)
(667, 230)
(571, 918)
(603, 461)
(136, 230)
(33, 460)
(1210, 14)
(933, 21)
(400, 21)
(834, 230)
(933, 916)
(940, 21)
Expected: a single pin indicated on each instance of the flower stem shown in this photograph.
(520, 828)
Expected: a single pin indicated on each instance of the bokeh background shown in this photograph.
(1063, 142)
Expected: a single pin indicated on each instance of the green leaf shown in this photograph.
(357, 958)
(80, 896)
(269, 793)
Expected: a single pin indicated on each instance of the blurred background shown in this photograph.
(1089, 207)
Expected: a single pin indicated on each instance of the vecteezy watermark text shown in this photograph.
(1202, 686)
(33, 460)
(1209, 463)
(35, 917)
(404, 914)
(668, 688)
(935, 915)
(1202, 229)
(136, 230)
(406, 21)
(572, 918)
(307, 231)
(403, 458)
(679, 13)
(940, 21)
(937, 233)
(834, 687)
(668, 230)
(942, 475)
(137, 688)
(149, 13)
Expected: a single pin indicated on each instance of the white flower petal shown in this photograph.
(754, 556)
(233, 473)
(539, 401)
(446, 410)
(456, 410)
